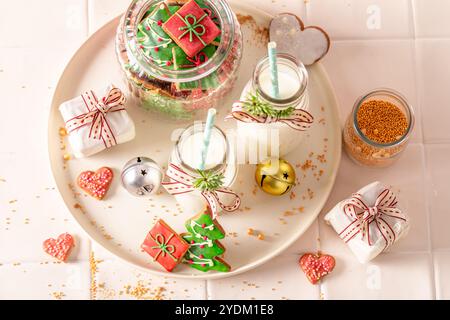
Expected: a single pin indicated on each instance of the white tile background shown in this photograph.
(403, 44)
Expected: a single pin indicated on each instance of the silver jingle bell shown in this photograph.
(141, 176)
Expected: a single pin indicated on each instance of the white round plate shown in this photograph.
(120, 222)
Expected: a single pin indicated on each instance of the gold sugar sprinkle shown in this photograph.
(141, 292)
(288, 213)
(93, 264)
(321, 158)
(58, 295)
(62, 132)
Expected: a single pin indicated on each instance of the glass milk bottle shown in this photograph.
(276, 137)
(220, 159)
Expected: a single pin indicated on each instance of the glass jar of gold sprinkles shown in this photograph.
(379, 127)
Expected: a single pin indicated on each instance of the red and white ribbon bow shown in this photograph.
(95, 115)
(383, 214)
(300, 120)
(181, 182)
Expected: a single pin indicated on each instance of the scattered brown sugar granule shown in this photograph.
(93, 266)
(321, 158)
(62, 132)
(58, 295)
(142, 292)
(288, 213)
(260, 33)
(381, 121)
(310, 193)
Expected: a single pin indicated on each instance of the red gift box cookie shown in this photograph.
(191, 28)
(165, 245)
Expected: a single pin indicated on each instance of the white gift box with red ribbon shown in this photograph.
(95, 123)
(370, 221)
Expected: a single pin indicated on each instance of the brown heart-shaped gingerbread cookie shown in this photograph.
(307, 44)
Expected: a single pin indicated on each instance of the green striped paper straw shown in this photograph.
(272, 49)
(211, 118)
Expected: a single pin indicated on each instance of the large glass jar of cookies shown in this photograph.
(378, 129)
(179, 56)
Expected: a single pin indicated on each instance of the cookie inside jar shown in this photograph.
(179, 56)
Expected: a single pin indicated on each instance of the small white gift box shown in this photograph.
(370, 221)
(97, 123)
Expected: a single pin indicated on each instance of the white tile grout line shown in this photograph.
(91, 249)
(207, 291)
(306, 13)
(430, 243)
(321, 292)
(424, 154)
(88, 6)
(387, 39)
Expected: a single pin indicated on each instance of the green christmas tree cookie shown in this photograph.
(205, 249)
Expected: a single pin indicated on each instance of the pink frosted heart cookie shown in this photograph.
(307, 44)
(96, 184)
(59, 248)
(316, 266)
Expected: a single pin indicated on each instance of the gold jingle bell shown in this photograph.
(275, 176)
